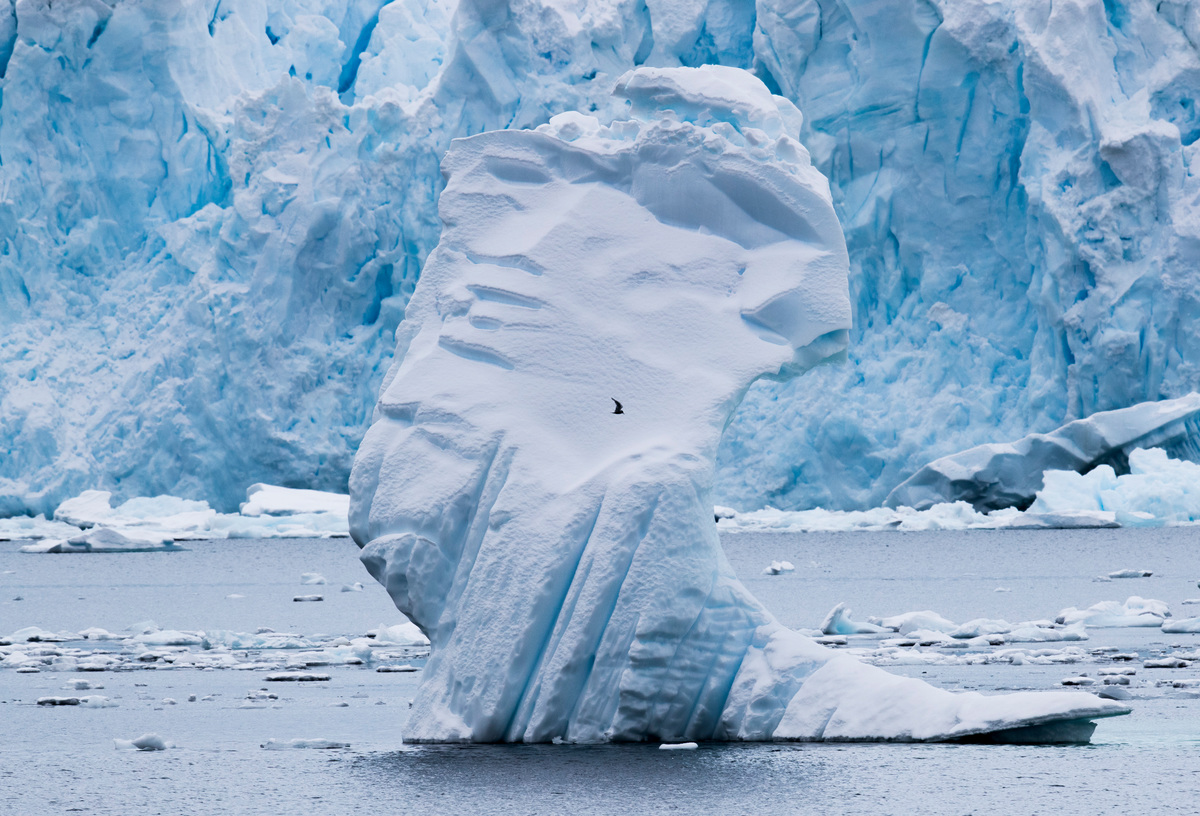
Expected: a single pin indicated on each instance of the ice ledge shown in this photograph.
(997, 476)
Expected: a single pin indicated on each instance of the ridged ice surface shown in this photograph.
(213, 214)
(535, 490)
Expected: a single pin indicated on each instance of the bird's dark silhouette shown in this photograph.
(618, 409)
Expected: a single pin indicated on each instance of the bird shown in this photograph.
(618, 409)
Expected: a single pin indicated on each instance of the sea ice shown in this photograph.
(838, 622)
(146, 742)
(105, 540)
(276, 745)
(1135, 611)
(779, 567)
(1181, 626)
(312, 579)
(560, 552)
(264, 499)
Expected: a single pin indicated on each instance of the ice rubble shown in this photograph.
(1156, 491)
(562, 558)
(89, 522)
(213, 216)
(995, 476)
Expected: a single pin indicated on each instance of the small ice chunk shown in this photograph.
(1002, 589)
(58, 701)
(1113, 693)
(308, 598)
(402, 634)
(312, 579)
(296, 677)
(1183, 626)
(1135, 611)
(397, 669)
(838, 622)
(1166, 663)
(911, 621)
(146, 742)
(355, 587)
(678, 746)
(981, 627)
(1130, 573)
(277, 745)
(779, 567)
(1082, 680)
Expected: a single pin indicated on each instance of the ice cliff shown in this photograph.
(560, 553)
(213, 212)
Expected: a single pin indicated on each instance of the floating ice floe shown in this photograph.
(779, 567)
(1181, 626)
(401, 634)
(312, 579)
(89, 522)
(146, 742)
(271, 500)
(1130, 573)
(678, 746)
(34, 528)
(88, 701)
(838, 622)
(324, 744)
(105, 540)
(1135, 612)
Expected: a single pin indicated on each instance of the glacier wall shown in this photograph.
(213, 212)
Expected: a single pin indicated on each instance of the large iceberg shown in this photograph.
(212, 215)
(534, 492)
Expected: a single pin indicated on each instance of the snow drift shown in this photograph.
(560, 556)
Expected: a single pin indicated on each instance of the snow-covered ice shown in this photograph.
(317, 742)
(272, 500)
(89, 523)
(995, 476)
(1135, 611)
(562, 557)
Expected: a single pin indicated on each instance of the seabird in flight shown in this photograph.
(618, 409)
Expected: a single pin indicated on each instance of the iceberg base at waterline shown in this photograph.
(561, 555)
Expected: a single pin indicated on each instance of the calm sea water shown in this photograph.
(58, 760)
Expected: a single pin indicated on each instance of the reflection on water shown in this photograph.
(763, 779)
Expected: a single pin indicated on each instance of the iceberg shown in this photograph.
(997, 476)
(559, 554)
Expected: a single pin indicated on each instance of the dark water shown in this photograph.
(59, 760)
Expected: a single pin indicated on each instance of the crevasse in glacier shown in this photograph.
(560, 555)
(213, 213)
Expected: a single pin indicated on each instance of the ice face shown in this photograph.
(560, 556)
(212, 219)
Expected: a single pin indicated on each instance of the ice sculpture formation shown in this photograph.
(1010, 474)
(562, 557)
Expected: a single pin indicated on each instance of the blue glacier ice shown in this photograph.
(213, 213)
(561, 556)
